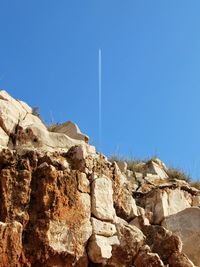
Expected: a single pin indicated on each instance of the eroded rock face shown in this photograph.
(10, 243)
(62, 204)
(102, 200)
(166, 202)
(146, 258)
(20, 128)
(186, 224)
(72, 130)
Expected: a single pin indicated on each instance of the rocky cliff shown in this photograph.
(63, 204)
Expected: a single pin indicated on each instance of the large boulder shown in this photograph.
(100, 248)
(102, 199)
(157, 167)
(164, 202)
(186, 224)
(70, 129)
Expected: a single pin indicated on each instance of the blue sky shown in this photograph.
(150, 71)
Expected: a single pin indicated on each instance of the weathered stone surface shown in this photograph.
(179, 260)
(26, 130)
(102, 199)
(196, 201)
(162, 242)
(166, 202)
(4, 137)
(103, 228)
(140, 221)
(186, 224)
(124, 203)
(148, 259)
(62, 204)
(156, 168)
(100, 248)
(10, 243)
(69, 237)
(83, 183)
(131, 240)
(70, 129)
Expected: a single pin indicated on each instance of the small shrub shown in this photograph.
(196, 184)
(174, 173)
(36, 111)
(51, 127)
(134, 165)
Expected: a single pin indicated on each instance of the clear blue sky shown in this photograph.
(151, 71)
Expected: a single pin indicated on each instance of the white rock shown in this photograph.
(32, 133)
(4, 138)
(72, 130)
(103, 228)
(139, 177)
(186, 224)
(164, 203)
(25, 106)
(83, 183)
(60, 237)
(102, 199)
(139, 222)
(100, 248)
(196, 201)
(157, 169)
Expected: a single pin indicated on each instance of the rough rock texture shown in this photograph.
(62, 204)
(70, 129)
(187, 225)
(20, 128)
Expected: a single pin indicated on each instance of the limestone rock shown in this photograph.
(166, 202)
(148, 259)
(21, 129)
(140, 222)
(70, 129)
(124, 203)
(155, 168)
(100, 248)
(102, 199)
(103, 228)
(62, 204)
(186, 224)
(83, 183)
(131, 239)
(196, 200)
(162, 242)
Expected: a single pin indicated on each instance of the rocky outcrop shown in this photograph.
(186, 224)
(62, 204)
(20, 128)
(70, 129)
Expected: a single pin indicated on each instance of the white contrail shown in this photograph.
(100, 118)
